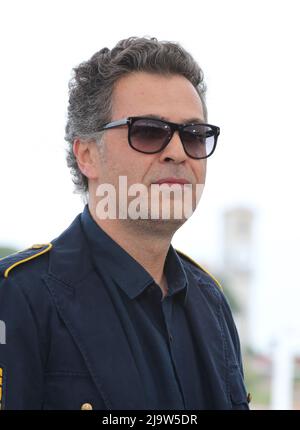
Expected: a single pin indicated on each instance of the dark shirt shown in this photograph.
(164, 349)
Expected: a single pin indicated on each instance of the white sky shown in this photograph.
(249, 51)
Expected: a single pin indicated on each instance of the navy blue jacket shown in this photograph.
(64, 352)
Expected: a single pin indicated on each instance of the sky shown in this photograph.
(249, 52)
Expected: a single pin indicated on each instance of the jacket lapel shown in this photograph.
(85, 306)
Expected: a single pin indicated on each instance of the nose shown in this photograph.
(174, 151)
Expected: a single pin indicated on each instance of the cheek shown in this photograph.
(121, 160)
(199, 169)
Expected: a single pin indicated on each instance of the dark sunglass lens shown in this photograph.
(198, 140)
(147, 135)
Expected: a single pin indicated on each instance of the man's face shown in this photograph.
(172, 98)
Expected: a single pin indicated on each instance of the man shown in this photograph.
(109, 315)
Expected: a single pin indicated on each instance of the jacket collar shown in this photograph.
(69, 259)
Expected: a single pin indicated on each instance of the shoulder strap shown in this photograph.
(190, 260)
(13, 260)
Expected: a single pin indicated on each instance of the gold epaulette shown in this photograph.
(189, 259)
(13, 260)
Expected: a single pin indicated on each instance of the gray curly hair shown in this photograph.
(91, 87)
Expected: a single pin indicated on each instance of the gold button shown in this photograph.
(249, 397)
(86, 407)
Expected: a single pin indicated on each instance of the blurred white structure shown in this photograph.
(237, 264)
(284, 351)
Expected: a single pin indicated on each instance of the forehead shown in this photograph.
(172, 97)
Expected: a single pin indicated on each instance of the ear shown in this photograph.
(87, 157)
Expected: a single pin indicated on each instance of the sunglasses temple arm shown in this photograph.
(114, 124)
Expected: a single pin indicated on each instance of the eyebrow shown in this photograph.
(185, 121)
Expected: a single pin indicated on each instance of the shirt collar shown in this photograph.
(124, 269)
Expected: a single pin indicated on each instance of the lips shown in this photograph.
(172, 181)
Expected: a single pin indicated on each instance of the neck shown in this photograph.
(147, 243)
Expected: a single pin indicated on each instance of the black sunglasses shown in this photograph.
(151, 135)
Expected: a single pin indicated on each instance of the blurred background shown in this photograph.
(246, 227)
